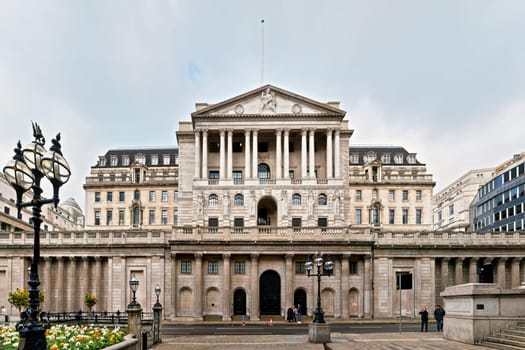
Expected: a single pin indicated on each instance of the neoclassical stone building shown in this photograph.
(258, 183)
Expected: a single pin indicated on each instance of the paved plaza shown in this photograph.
(374, 341)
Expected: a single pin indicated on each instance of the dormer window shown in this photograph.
(411, 159)
(102, 161)
(354, 158)
(114, 161)
(166, 159)
(398, 159)
(154, 159)
(140, 158)
(125, 160)
(385, 158)
(369, 157)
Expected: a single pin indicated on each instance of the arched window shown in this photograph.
(296, 199)
(322, 199)
(213, 200)
(136, 216)
(239, 199)
(375, 215)
(263, 171)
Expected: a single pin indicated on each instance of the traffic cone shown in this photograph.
(271, 322)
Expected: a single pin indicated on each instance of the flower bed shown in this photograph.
(67, 337)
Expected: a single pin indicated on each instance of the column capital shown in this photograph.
(517, 259)
(198, 255)
(72, 258)
(289, 256)
(278, 131)
(304, 132)
(226, 256)
(460, 259)
(254, 257)
(173, 256)
(346, 255)
(97, 258)
(222, 131)
(443, 260)
(329, 131)
(254, 131)
(502, 260)
(474, 259)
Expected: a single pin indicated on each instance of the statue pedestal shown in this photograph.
(318, 333)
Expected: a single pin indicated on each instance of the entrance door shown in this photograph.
(270, 293)
(299, 297)
(239, 302)
(486, 274)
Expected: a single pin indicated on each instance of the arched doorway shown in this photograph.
(299, 297)
(486, 274)
(267, 212)
(239, 302)
(270, 293)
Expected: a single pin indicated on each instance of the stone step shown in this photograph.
(516, 343)
(507, 334)
(514, 333)
(518, 327)
(500, 346)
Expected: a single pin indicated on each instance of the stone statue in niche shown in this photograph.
(226, 204)
(284, 203)
(337, 202)
(268, 101)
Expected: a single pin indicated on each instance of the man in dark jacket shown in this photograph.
(424, 319)
(439, 313)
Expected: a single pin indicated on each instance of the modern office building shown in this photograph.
(499, 203)
(256, 185)
(451, 205)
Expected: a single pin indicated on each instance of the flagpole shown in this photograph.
(262, 51)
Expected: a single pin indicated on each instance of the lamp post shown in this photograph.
(318, 331)
(133, 285)
(157, 310)
(25, 171)
(134, 311)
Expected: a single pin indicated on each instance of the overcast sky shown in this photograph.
(444, 79)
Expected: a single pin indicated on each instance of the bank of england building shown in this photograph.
(225, 221)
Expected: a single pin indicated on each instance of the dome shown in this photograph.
(71, 203)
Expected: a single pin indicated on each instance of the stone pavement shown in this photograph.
(340, 341)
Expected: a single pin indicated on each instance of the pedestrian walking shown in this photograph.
(424, 319)
(289, 314)
(439, 313)
(299, 313)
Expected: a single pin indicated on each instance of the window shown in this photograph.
(300, 269)
(238, 225)
(296, 222)
(291, 174)
(213, 267)
(451, 209)
(398, 159)
(263, 171)
(151, 217)
(353, 268)
(166, 159)
(175, 217)
(418, 216)
(296, 199)
(213, 200)
(262, 147)
(121, 217)
(391, 216)
(175, 195)
(100, 178)
(391, 195)
(405, 216)
(114, 161)
(136, 195)
(440, 215)
(357, 195)
(322, 200)
(102, 161)
(164, 217)
(358, 218)
(375, 215)
(121, 196)
(405, 195)
(112, 177)
(164, 196)
(237, 176)
(154, 159)
(97, 196)
(374, 194)
(6, 210)
(109, 217)
(213, 225)
(97, 217)
(109, 196)
(369, 157)
(354, 158)
(125, 160)
(385, 158)
(152, 196)
(185, 267)
(239, 267)
(238, 199)
(322, 222)
(213, 175)
(418, 195)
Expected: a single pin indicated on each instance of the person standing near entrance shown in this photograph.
(439, 313)
(299, 313)
(424, 319)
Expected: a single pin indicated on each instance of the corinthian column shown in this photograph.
(329, 156)
(205, 154)
(254, 286)
(197, 308)
(288, 283)
(515, 272)
(197, 154)
(227, 300)
(303, 154)
(278, 154)
(221, 156)
(311, 153)
(230, 154)
(345, 275)
(286, 146)
(247, 168)
(459, 270)
(255, 160)
(337, 155)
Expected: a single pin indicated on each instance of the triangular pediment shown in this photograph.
(268, 100)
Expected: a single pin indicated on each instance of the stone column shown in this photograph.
(73, 285)
(222, 168)
(255, 153)
(45, 268)
(288, 282)
(247, 168)
(84, 281)
(345, 285)
(286, 145)
(459, 271)
(230, 155)
(227, 300)
(59, 303)
(311, 154)
(329, 173)
(473, 270)
(205, 154)
(337, 155)
(197, 308)
(99, 281)
(368, 297)
(303, 154)
(515, 272)
(197, 154)
(501, 272)
(278, 154)
(254, 286)
(174, 291)
(444, 273)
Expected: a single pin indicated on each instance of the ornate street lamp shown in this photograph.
(324, 268)
(157, 310)
(28, 166)
(133, 285)
(157, 293)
